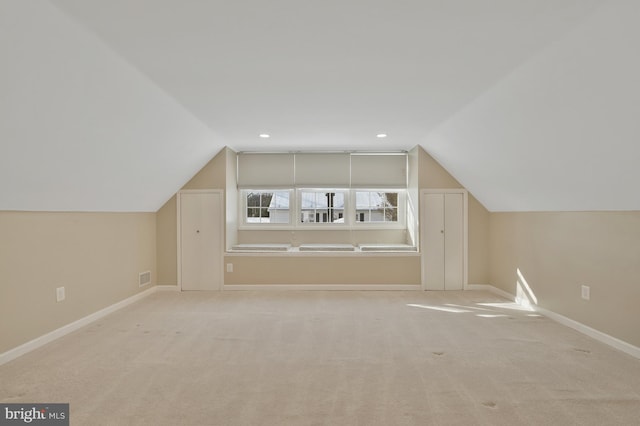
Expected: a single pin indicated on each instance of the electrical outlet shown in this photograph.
(60, 296)
(229, 267)
(586, 292)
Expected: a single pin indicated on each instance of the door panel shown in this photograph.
(433, 241)
(442, 241)
(453, 242)
(201, 241)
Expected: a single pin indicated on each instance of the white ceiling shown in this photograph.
(327, 74)
(316, 76)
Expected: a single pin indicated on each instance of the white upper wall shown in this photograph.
(80, 128)
(562, 132)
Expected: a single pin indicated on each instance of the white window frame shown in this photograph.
(242, 208)
(323, 225)
(295, 211)
(402, 210)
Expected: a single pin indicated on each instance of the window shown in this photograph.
(316, 208)
(266, 207)
(325, 190)
(322, 206)
(376, 206)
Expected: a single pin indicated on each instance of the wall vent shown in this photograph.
(144, 278)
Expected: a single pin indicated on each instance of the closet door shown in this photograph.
(201, 235)
(433, 253)
(453, 242)
(442, 223)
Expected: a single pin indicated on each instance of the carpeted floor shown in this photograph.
(329, 358)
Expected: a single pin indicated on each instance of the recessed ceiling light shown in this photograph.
(264, 135)
(381, 135)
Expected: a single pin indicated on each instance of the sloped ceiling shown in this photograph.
(113, 105)
(562, 131)
(80, 128)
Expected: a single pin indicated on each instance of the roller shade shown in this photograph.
(335, 170)
(265, 170)
(322, 170)
(378, 170)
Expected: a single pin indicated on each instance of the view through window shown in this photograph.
(321, 206)
(267, 207)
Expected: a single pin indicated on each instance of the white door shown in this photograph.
(442, 223)
(201, 236)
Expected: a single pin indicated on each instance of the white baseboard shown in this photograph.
(591, 332)
(476, 287)
(318, 287)
(495, 290)
(167, 288)
(14, 353)
(614, 342)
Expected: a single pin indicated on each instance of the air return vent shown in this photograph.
(144, 278)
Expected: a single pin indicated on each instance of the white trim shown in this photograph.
(495, 290)
(591, 332)
(465, 225)
(14, 353)
(607, 339)
(172, 287)
(328, 226)
(465, 230)
(295, 253)
(349, 224)
(317, 287)
(179, 240)
(243, 225)
(401, 209)
(179, 229)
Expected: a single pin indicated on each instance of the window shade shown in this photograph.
(378, 170)
(322, 170)
(337, 170)
(265, 170)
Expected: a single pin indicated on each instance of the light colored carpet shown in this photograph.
(329, 358)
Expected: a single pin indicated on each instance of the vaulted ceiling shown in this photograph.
(113, 105)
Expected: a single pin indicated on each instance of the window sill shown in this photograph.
(348, 227)
(328, 250)
(387, 247)
(261, 247)
(326, 247)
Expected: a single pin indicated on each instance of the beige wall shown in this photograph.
(96, 256)
(211, 176)
(219, 173)
(231, 199)
(167, 243)
(413, 195)
(433, 176)
(558, 252)
(323, 270)
(478, 242)
(297, 237)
